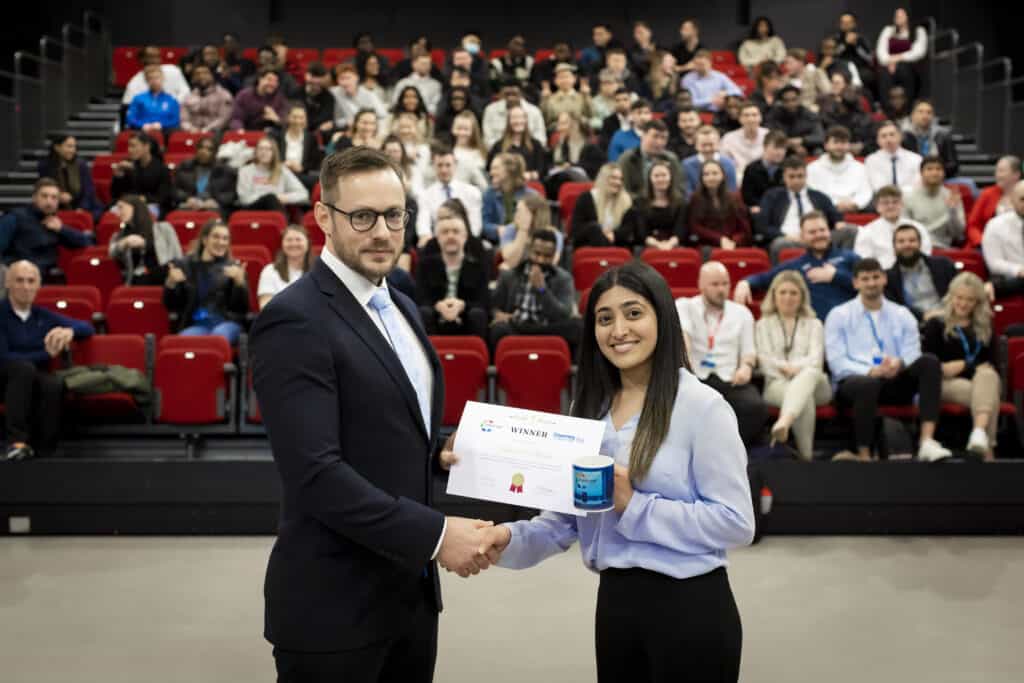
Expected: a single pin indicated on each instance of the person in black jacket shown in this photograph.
(765, 173)
(916, 280)
(318, 100)
(451, 285)
(33, 233)
(925, 137)
(306, 154)
(777, 224)
(203, 183)
(801, 125)
(852, 46)
(597, 217)
(617, 120)
(143, 173)
(207, 289)
(71, 174)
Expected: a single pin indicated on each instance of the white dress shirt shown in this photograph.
(175, 84)
(845, 181)
(733, 336)
(496, 118)
(791, 223)
(874, 240)
(431, 199)
(742, 150)
(1002, 243)
(879, 167)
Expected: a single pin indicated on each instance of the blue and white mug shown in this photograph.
(593, 483)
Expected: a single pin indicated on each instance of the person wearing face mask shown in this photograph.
(204, 183)
(875, 240)
(143, 247)
(916, 280)
(474, 65)
(207, 109)
(298, 147)
(72, 176)
(598, 215)
(292, 261)
(207, 288)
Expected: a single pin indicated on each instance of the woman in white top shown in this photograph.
(416, 148)
(291, 262)
(365, 132)
(266, 184)
(412, 176)
(790, 352)
(899, 48)
(762, 45)
(469, 151)
(298, 147)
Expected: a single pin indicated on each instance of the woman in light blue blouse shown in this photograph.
(665, 611)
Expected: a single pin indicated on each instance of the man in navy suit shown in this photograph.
(708, 142)
(351, 393)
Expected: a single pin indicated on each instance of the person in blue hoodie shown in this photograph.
(827, 269)
(154, 109)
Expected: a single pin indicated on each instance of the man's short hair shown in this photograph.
(923, 101)
(510, 82)
(622, 91)
(345, 69)
(707, 130)
(812, 215)
(654, 124)
(904, 227)
(889, 192)
(793, 163)
(275, 39)
(267, 72)
(776, 138)
(702, 53)
(316, 69)
(266, 48)
(614, 51)
(747, 104)
(608, 76)
(1013, 162)
(887, 124)
(440, 149)
(546, 235)
(352, 161)
(797, 53)
(686, 110)
(788, 88)
(44, 182)
(153, 67)
(932, 160)
(838, 133)
(640, 103)
(867, 265)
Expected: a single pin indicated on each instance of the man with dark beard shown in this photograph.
(917, 281)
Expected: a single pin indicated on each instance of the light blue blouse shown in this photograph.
(694, 503)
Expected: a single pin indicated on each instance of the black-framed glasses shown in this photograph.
(363, 220)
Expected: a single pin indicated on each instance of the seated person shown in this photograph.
(565, 98)
(845, 109)
(838, 175)
(720, 340)
(154, 109)
(653, 145)
(769, 81)
(925, 136)
(266, 184)
(745, 145)
(812, 82)
(207, 109)
(259, 106)
(728, 119)
(629, 138)
(573, 157)
(532, 215)
(451, 284)
(291, 262)
(827, 270)
(960, 336)
(939, 209)
(708, 141)
(873, 350)
(658, 219)
(765, 173)
(496, 114)
(995, 200)
(33, 233)
(801, 125)
(145, 174)
(298, 147)
(267, 62)
(708, 87)
(682, 138)
(350, 98)
(421, 79)
(518, 140)
(72, 176)
(537, 297)
(761, 45)
(470, 155)
(598, 215)
(1003, 247)
(777, 224)
(143, 247)
(207, 289)
(892, 164)
(446, 187)
(174, 80)
(318, 100)
(508, 185)
(618, 119)
(790, 342)
(916, 280)
(717, 218)
(29, 337)
(203, 183)
(875, 240)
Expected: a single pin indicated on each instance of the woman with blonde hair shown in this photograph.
(597, 218)
(469, 150)
(791, 352)
(663, 80)
(532, 214)
(518, 140)
(266, 184)
(960, 336)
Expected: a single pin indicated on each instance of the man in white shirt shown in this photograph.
(496, 115)
(174, 81)
(892, 164)
(446, 187)
(745, 144)
(1003, 246)
(350, 97)
(874, 240)
(840, 176)
(420, 78)
(720, 342)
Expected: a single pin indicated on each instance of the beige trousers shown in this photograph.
(798, 397)
(980, 394)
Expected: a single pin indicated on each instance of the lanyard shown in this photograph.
(788, 343)
(969, 355)
(712, 333)
(874, 332)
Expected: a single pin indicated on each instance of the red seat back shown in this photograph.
(965, 260)
(590, 262)
(128, 350)
(721, 58)
(109, 225)
(679, 267)
(210, 342)
(568, 193)
(860, 218)
(1006, 313)
(249, 137)
(79, 302)
(121, 142)
(79, 219)
(790, 253)
(191, 384)
(125, 63)
(533, 371)
(338, 55)
(187, 224)
(172, 55)
(182, 141)
(94, 269)
(742, 262)
(464, 361)
(965, 196)
(257, 227)
(138, 310)
(316, 235)
(393, 54)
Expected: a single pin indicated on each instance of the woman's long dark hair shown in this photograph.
(55, 158)
(281, 261)
(142, 220)
(421, 107)
(703, 206)
(675, 195)
(598, 379)
(753, 28)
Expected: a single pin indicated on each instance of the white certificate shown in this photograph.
(521, 457)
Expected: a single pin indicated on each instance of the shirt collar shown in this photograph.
(361, 288)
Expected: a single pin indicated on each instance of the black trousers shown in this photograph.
(652, 628)
(267, 202)
(33, 400)
(864, 394)
(751, 410)
(474, 322)
(570, 330)
(407, 659)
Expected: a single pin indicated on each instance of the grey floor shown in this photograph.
(814, 609)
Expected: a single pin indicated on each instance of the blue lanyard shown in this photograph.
(874, 332)
(969, 355)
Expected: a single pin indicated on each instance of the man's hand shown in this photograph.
(58, 339)
(742, 375)
(623, 489)
(175, 276)
(270, 115)
(536, 277)
(990, 292)
(65, 197)
(742, 293)
(954, 200)
(718, 99)
(52, 223)
(585, 86)
(450, 309)
(822, 274)
(891, 367)
(501, 317)
(726, 243)
(787, 370)
(461, 548)
(448, 456)
(496, 539)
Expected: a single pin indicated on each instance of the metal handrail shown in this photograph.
(1007, 65)
(975, 46)
(955, 41)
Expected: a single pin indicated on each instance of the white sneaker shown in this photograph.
(933, 451)
(978, 441)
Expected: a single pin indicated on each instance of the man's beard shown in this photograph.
(909, 261)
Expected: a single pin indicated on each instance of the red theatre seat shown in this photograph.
(742, 262)
(188, 223)
(568, 193)
(103, 174)
(121, 142)
(79, 220)
(249, 137)
(316, 235)
(172, 55)
(721, 58)
(109, 225)
(533, 371)
(790, 253)
(965, 260)
(182, 142)
(464, 361)
(125, 61)
(94, 269)
(138, 310)
(679, 267)
(254, 257)
(860, 218)
(589, 262)
(127, 350)
(257, 227)
(1006, 313)
(335, 55)
(393, 54)
(80, 302)
(965, 196)
(193, 380)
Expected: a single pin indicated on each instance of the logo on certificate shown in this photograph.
(517, 483)
(489, 426)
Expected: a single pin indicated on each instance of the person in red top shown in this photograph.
(993, 200)
(717, 217)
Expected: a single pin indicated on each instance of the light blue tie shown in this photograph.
(402, 345)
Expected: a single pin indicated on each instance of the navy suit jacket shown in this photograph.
(775, 204)
(356, 531)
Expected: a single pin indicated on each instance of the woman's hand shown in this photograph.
(623, 489)
(134, 242)
(236, 272)
(175, 276)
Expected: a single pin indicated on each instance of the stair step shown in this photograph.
(18, 176)
(967, 148)
(105, 106)
(37, 153)
(977, 158)
(15, 190)
(27, 165)
(90, 124)
(7, 203)
(960, 137)
(107, 116)
(975, 169)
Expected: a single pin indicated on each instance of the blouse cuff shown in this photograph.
(629, 523)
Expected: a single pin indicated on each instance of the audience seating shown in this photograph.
(109, 225)
(138, 310)
(125, 61)
(394, 55)
(720, 58)
(172, 55)
(316, 235)
(194, 379)
(182, 141)
(589, 262)
(465, 361)
(679, 267)
(254, 257)
(249, 137)
(334, 56)
(78, 219)
(684, 292)
(790, 253)
(174, 159)
(121, 141)
(94, 269)
(533, 371)
(860, 218)
(965, 259)
(187, 224)
(257, 227)
(568, 193)
(81, 302)
(126, 350)
(303, 56)
(1005, 313)
(742, 262)
(103, 174)
(965, 196)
